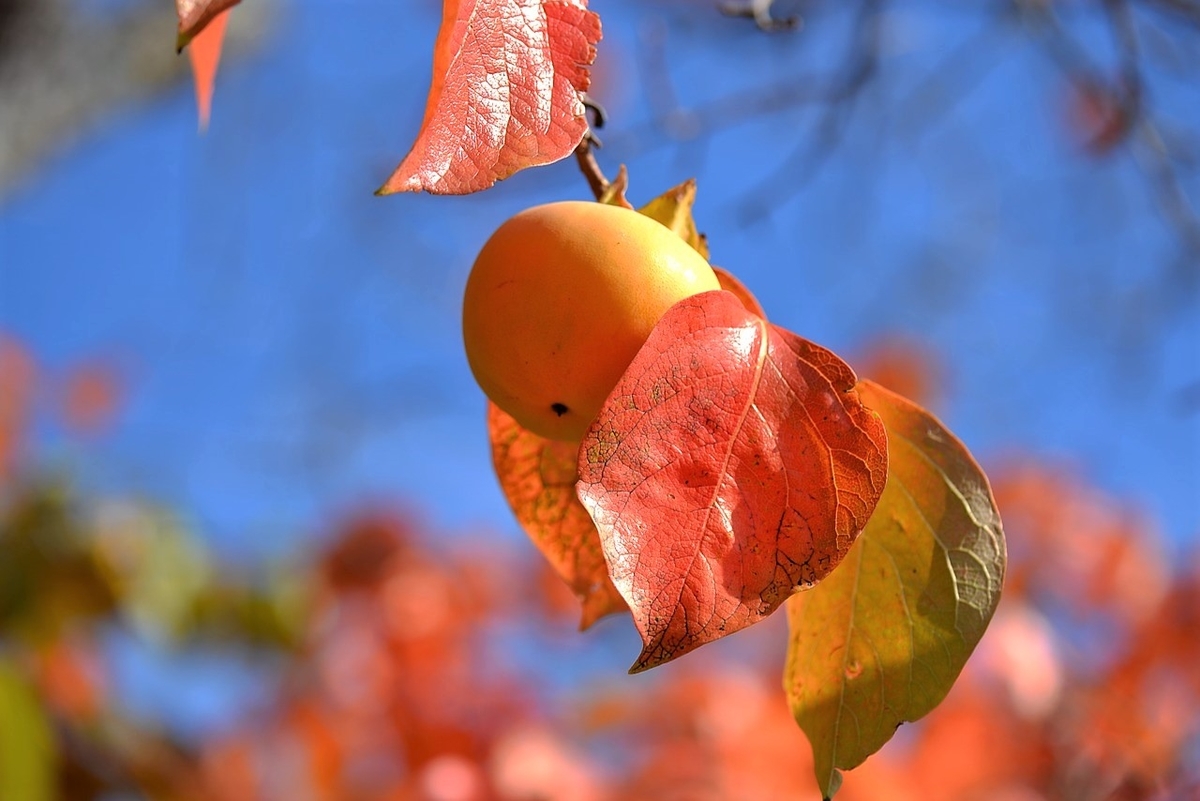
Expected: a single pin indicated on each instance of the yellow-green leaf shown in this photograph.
(27, 753)
(673, 209)
(882, 639)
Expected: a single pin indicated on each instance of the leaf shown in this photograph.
(883, 638)
(205, 56)
(614, 195)
(673, 209)
(732, 463)
(27, 755)
(731, 284)
(538, 478)
(195, 16)
(507, 80)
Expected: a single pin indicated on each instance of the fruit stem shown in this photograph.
(589, 167)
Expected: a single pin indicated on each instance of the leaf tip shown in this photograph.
(643, 663)
(835, 784)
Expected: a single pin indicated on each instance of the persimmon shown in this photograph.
(560, 300)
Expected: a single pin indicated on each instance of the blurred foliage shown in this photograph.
(389, 680)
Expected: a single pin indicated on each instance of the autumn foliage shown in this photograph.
(734, 471)
(387, 682)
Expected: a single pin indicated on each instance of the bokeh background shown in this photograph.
(226, 366)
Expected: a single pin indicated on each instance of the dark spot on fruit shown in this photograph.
(559, 408)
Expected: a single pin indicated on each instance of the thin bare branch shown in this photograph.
(760, 12)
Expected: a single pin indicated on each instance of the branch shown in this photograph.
(1130, 108)
(760, 12)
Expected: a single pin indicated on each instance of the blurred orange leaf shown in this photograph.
(205, 56)
(91, 397)
(903, 365)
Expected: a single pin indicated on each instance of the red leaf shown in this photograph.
(195, 16)
(538, 478)
(507, 78)
(730, 283)
(732, 465)
(205, 55)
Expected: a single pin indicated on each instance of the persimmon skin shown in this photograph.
(560, 300)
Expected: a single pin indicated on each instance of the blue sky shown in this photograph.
(291, 342)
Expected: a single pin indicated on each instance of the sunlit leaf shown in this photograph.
(506, 94)
(883, 638)
(538, 478)
(732, 464)
(27, 755)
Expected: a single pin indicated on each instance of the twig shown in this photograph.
(952, 79)
(1184, 10)
(1132, 109)
(760, 12)
(584, 154)
(590, 168)
(803, 163)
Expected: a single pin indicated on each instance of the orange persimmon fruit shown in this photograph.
(560, 300)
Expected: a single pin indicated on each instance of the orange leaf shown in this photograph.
(731, 284)
(507, 79)
(538, 477)
(196, 15)
(205, 55)
(732, 464)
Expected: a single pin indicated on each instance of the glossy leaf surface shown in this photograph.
(883, 638)
(731, 464)
(538, 478)
(506, 93)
